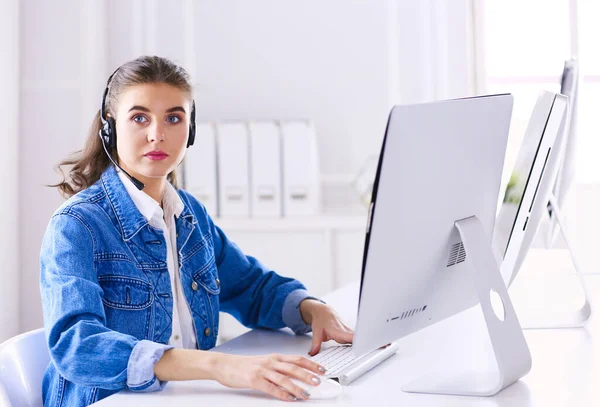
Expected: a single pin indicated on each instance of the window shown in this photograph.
(525, 45)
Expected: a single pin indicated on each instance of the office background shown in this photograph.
(340, 63)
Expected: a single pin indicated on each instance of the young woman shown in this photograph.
(134, 272)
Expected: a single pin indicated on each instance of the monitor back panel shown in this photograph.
(441, 162)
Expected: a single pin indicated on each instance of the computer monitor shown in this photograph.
(566, 170)
(528, 190)
(427, 252)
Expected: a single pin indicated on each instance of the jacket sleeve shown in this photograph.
(82, 348)
(255, 295)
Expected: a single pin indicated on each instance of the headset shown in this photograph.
(108, 131)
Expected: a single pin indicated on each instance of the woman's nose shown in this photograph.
(156, 132)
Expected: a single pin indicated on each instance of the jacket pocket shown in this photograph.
(207, 277)
(127, 304)
(207, 280)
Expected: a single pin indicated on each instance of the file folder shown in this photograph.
(301, 185)
(265, 169)
(201, 167)
(232, 153)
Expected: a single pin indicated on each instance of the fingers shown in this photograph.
(316, 342)
(297, 372)
(275, 376)
(340, 336)
(287, 385)
(303, 362)
(343, 336)
(274, 390)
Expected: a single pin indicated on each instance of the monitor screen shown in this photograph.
(515, 189)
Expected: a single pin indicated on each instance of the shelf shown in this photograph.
(294, 224)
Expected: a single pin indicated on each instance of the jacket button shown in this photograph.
(207, 332)
(218, 283)
(195, 286)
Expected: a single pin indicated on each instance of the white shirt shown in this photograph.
(183, 334)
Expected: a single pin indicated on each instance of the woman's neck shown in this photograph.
(153, 187)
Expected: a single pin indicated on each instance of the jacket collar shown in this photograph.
(130, 220)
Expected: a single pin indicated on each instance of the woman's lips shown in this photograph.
(156, 155)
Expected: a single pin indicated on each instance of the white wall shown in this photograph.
(327, 60)
(50, 128)
(9, 176)
(436, 54)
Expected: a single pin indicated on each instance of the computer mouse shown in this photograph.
(328, 389)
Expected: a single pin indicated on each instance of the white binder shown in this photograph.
(201, 167)
(265, 169)
(301, 185)
(232, 153)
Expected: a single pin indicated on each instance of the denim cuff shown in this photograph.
(140, 368)
(291, 311)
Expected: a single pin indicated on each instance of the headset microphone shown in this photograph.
(138, 184)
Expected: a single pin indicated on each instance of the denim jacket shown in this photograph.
(107, 298)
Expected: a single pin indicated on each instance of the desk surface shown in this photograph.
(565, 372)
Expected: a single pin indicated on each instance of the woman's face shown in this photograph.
(152, 129)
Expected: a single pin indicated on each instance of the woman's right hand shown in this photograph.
(270, 374)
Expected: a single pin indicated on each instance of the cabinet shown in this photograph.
(323, 252)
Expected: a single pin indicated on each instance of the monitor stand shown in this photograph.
(573, 319)
(511, 352)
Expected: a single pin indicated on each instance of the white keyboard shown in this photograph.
(342, 364)
(336, 359)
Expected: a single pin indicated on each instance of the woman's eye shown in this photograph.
(139, 119)
(173, 119)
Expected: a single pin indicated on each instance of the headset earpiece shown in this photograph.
(192, 131)
(108, 132)
(112, 132)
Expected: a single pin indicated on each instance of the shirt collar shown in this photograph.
(148, 207)
(172, 201)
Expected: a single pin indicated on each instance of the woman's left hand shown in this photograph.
(326, 324)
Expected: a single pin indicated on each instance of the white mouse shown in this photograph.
(328, 389)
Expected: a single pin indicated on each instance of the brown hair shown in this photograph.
(88, 164)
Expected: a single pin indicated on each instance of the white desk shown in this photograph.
(565, 372)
